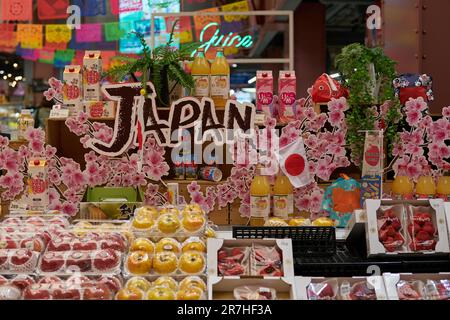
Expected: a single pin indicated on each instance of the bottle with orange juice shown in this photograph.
(443, 185)
(200, 71)
(220, 79)
(425, 186)
(259, 197)
(283, 197)
(402, 187)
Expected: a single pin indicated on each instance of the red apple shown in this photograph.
(114, 284)
(58, 244)
(64, 293)
(33, 243)
(79, 261)
(106, 259)
(50, 280)
(114, 244)
(23, 260)
(3, 280)
(36, 292)
(37, 221)
(77, 281)
(97, 292)
(84, 245)
(22, 281)
(52, 261)
(8, 243)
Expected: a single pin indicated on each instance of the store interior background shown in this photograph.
(411, 33)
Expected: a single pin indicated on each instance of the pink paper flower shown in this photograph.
(338, 104)
(50, 151)
(446, 112)
(413, 117)
(69, 208)
(37, 146)
(193, 187)
(49, 94)
(335, 118)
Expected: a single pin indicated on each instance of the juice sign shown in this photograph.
(219, 40)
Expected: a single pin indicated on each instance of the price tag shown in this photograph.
(17, 206)
(59, 113)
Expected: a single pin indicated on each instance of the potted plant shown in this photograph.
(162, 67)
(368, 74)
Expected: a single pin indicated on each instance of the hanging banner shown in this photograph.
(46, 56)
(27, 54)
(113, 32)
(106, 58)
(8, 37)
(30, 36)
(52, 9)
(89, 32)
(91, 8)
(130, 5)
(57, 33)
(16, 10)
(63, 58)
(235, 23)
(372, 167)
(55, 46)
(201, 21)
(114, 5)
(183, 29)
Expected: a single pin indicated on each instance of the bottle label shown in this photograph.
(283, 205)
(260, 206)
(445, 197)
(201, 85)
(220, 86)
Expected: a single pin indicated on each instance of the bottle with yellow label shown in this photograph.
(402, 187)
(259, 198)
(24, 122)
(443, 185)
(200, 71)
(220, 79)
(283, 197)
(425, 186)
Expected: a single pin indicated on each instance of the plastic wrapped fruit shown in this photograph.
(106, 260)
(168, 223)
(266, 261)
(362, 291)
(390, 228)
(143, 221)
(166, 281)
(96, 291)
(170, 210)
(50, 279)
(191, 293)
(193, 222)
(233, 261)
(143, 244)
(165, 262)
(410, 290)
(22, 260)
(421, 230)
(299, 222)
(138, 283)
(63, 292)
(8, 242)
(192, 281)
(147, 211)
(168, 244)
(193, 244)
(113, 282)
(22, 281)
(79, 261)
(37, 292)
(192, 262)
(52, 262)
(9, 292)
(275, 222)
(254, 293)
(129, 294)
(139, 262)
(192, 208)
(323, 222)
(438, 290)
(326, 290)
(160, 293)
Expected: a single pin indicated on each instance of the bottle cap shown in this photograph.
(201, 49)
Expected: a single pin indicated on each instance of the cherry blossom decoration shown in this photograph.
(55, 92)
(425, 144)
(324, 137)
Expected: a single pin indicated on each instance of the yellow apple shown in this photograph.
(143, 221)
(193, 222)
(168, 244)
(168, 223)
(139, 283)
(193, 244)
(192, 281)
(160, 293)
(323, 222)
(142, 244)
(191, 293)
(192, 262)
(165, 262)
(129, 294)
(139, 262)
(167, 282)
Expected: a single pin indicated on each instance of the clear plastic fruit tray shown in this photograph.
(88, 241)
(13, 261)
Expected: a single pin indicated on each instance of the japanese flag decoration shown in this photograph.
(294, 164)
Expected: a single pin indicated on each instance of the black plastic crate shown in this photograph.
(306, 241)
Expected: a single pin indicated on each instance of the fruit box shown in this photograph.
(222, 288)
(72, 91)
(447, 217)
(408, 286)
(406, 227)
(100, 109)
(253, 263)
(343, 288)
(92, 70)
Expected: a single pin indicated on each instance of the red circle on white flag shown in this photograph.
(294, 164)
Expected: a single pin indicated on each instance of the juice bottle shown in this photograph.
(402, 187)
(283, 198)
(425, 187)
(259, 198)
(24, 122)
(200, 71)
(220, 79)
(443, 185)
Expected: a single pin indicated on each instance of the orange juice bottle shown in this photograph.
(200, 71)
(443, 185)
(220, 79)
(283, 197)
(425, 187)
(402, 187)
(259, 198)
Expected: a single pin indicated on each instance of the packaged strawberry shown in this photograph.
(422, 228)
(254, 293)
(233, 261)
(266, 261)
(438, 290)
(325, 290)
(410, 290)
(390, 220)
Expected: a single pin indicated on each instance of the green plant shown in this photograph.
(160, 66)
(366, 90)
